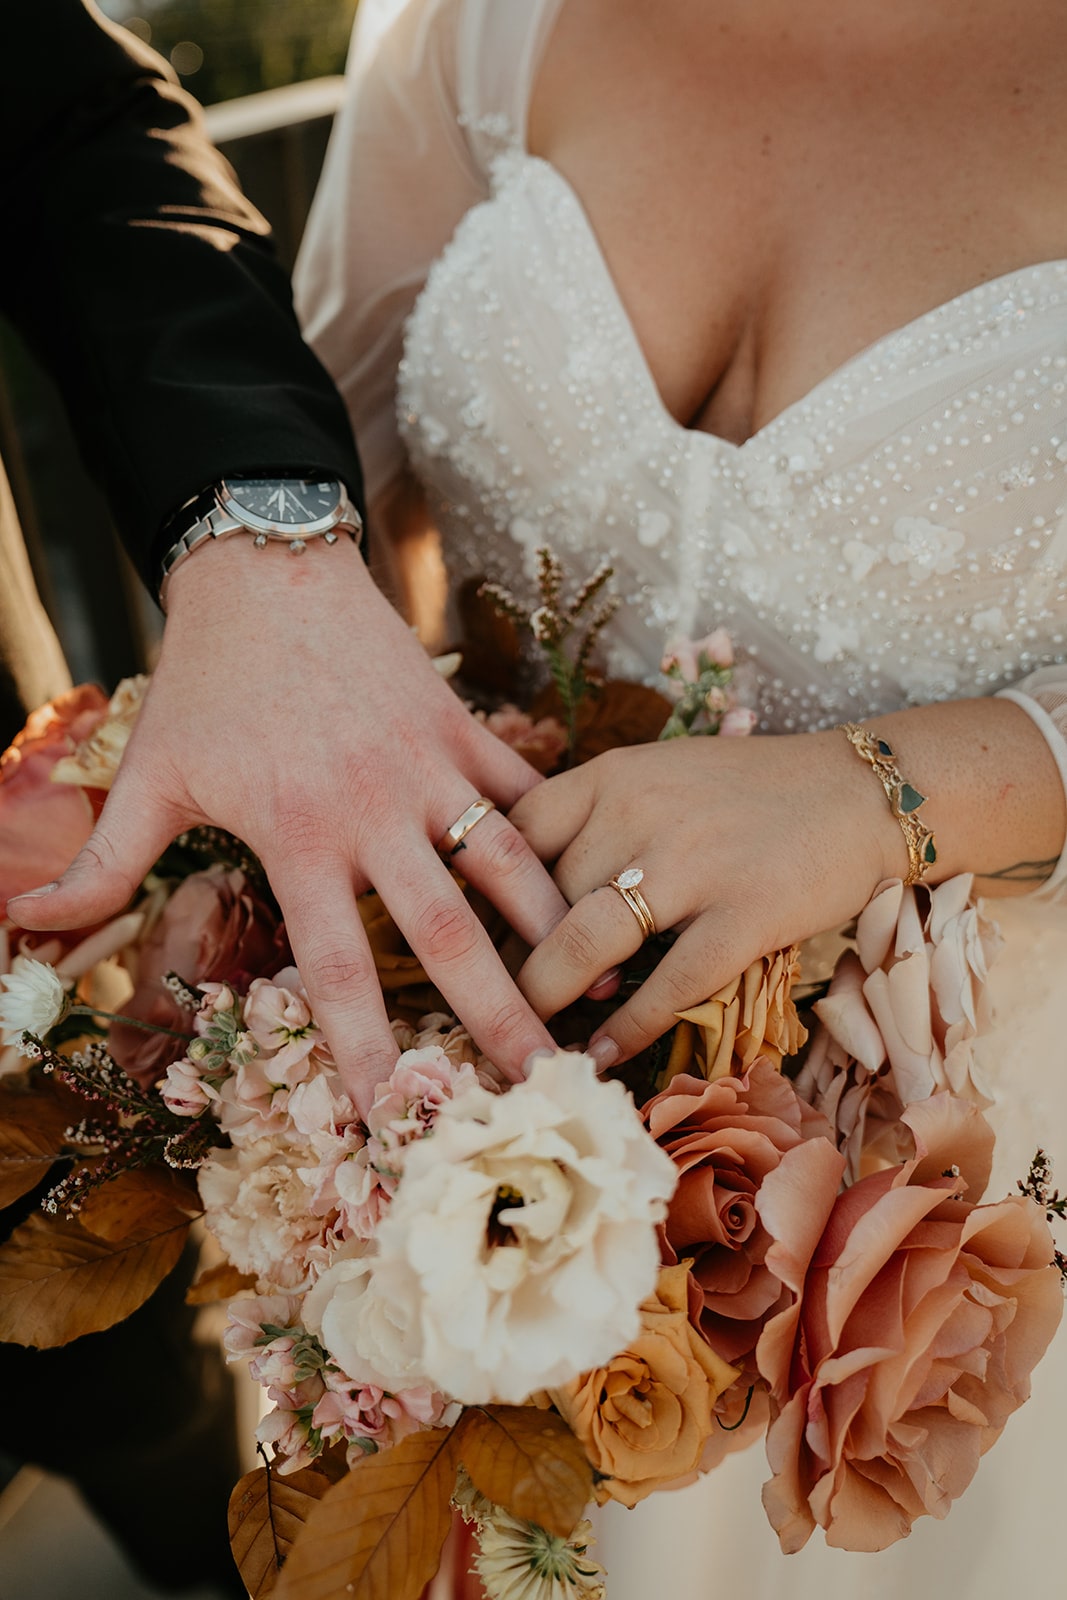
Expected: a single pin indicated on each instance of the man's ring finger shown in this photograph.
(451, 841)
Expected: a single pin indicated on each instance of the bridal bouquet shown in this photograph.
(500, 1303)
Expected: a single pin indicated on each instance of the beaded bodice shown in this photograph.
(897, 536)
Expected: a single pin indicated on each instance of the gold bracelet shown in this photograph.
(904, 799)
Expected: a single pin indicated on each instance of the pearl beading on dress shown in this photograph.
(897, 536)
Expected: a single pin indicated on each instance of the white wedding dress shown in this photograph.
(898, 536)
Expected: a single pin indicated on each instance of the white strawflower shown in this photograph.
(32, 999)
(519, 1561)
(521, 1240)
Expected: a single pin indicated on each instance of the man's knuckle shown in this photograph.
(506, 853)
(446, 930)
(340, 974)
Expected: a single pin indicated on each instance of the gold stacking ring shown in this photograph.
(451, 842)
(626, 885)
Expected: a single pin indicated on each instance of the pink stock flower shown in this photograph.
(184, 1091)
(685, 654)
(249, 1314)
(365, 1415)
(725, 1138)
(916, 1319)
(279, 1019)
(738, 723)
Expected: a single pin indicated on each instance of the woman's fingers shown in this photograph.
(133, 830)
(702, 959)
(497, 861)
(596, 935)
(551, 813)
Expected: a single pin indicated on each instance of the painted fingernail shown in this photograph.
(605, 1052)
(35, 894)
(605, 980)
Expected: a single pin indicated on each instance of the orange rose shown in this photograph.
(725, 1138)
(917, 1319)
(643, 1420)
(750, 1016)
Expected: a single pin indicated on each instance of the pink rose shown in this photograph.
(215, 926)
(541, 743)
(725, 1137)
(43, 824)
(917, 1317)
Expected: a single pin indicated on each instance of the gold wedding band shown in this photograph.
(625, 884)
(451, 842)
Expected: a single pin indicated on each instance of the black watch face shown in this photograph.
(290, 502)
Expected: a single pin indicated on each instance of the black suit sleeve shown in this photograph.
(143, 278)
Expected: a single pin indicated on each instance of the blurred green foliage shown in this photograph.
(247, 45)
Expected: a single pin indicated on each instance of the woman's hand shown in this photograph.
(293, 707)
(747, 845)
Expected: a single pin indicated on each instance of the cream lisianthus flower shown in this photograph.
(32, 999)
(519, 1561)
(521, 1239)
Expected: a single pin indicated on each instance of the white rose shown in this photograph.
(373, 1338)
(522, 1237)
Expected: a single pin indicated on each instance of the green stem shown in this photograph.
(117, 1016)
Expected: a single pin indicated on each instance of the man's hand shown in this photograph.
(293, 707)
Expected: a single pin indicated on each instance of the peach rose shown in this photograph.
(643, 1419)
(917, 1319)
(43, 825)
(750, 1016)
(214, 928)
(725, 1138)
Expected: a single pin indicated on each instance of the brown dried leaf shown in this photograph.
(616, 716)
(218, 1283)
(137, 1203)
(489, 644)
(26, 1155)
(33, 1120)
(377, 1535)
(528, 1461)
(58, 1281)
(266, 1514)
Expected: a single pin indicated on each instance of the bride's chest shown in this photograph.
(904, 524)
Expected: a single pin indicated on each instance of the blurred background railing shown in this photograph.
(275, 137)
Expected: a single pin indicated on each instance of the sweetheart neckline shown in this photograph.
(823, 386)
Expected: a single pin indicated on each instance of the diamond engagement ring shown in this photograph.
(626, 885)
(451, 842)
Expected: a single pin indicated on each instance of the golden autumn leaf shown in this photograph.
(218, 1283)
(58, 1281)
(529, 1462)
(377, 1535)
(138, 1202)
(266, 1513)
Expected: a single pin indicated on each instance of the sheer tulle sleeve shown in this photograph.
(1043, 696)
(399, 176)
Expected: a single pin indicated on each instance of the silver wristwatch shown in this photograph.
(294, 509)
